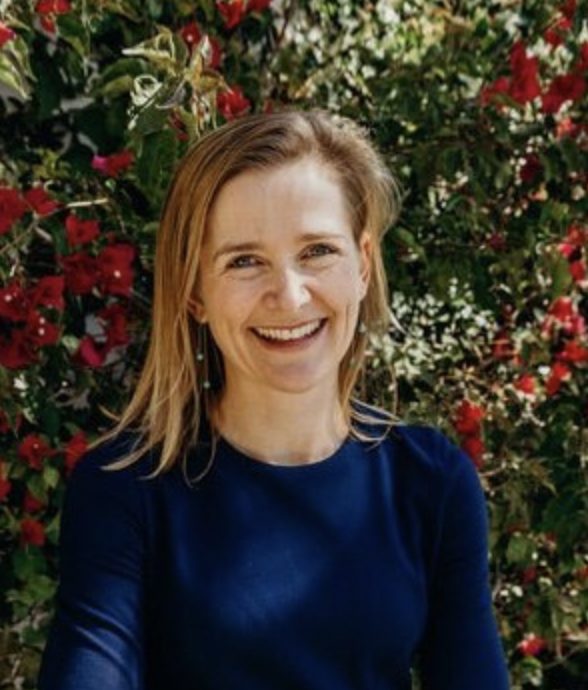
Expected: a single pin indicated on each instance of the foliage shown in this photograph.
(480, 108)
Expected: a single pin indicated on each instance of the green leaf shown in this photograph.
(28, 562)
(51, 476)
(520, 549)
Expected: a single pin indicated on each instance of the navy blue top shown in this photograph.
(338, 575)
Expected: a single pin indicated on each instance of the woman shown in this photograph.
(287, 535)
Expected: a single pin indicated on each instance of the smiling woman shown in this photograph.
(249, 523)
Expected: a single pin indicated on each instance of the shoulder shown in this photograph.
(428, 451)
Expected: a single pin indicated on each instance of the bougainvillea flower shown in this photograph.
(563, 313)
(568, 9)
(74, 449)
(6, 34)
(41, 203)
(12, 208)
(40, 332)
(559, 372)
(32, 532)
(566, 127)
(15, 351)
(573, 352)
(531, 169)
(48, 9)
(48, 292)
(565, 87)
(232, 11)
(578, 271)
(555, 34)
(502, 345)
(81, 231)
(34, 450)
(114, 318)
(114, 164)
(90, 353)
(258, 5)
(191, 34)
(474, 447)
(468, 418)
(31, 504)
(115, 269)
(232, 103)
(582, 65)
(81, 272)
(531, 645)
(500, 86)
(524, 86)
(525, 384)
(14, 302)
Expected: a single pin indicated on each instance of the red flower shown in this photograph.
(566, 127)
(468, 418)
(34, 450)
(531, 645)
(41, 203)
(81, 273)
(14, 302)
(32, 532)
(15, 351)
(53, 7)
(114, 164)
(497, 241)
(582, 65)
(555, 34)
(39, 332)
(74, 449)
(531, 168)
(191, 34)
(90, 353)
(6, 34)
(525, 384)
(215, 53)
(31, 504)
(573, 352)
(116, 272)
(578, 270)
(81, 231)
(114, 318)
(232, 11)
(565, 87)
(559, 372)
(48, 292)
(568, 9)
(474, 447)
(232, 103)
(500, 86)
(563, 313)
(12, 208)
(258, 5)
(529, 575)
(524, 86)
(502, 346)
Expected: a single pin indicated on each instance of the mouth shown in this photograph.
(287, 338)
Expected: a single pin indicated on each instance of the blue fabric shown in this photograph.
(339, 575)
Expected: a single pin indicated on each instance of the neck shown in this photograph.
(282, 428)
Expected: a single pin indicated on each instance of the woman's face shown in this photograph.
(280, 255)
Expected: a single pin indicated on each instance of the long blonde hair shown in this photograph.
(182, 376)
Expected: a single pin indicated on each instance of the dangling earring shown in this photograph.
(201, 352)
(361, 327)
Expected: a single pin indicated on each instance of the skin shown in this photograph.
(282, 407)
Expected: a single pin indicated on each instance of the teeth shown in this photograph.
(289, 333)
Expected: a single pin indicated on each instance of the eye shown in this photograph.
(242, 261)
(322, 250)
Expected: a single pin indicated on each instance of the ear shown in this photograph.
(196, 308)
(365, 258)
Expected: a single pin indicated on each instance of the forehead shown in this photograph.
(302, 196)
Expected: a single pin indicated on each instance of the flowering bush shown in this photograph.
(482, 114)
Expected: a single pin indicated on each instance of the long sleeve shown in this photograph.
(462, 648)
(96, 639)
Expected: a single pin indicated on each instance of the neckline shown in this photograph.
(226, 449)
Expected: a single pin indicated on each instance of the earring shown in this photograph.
(200, 352)
(362, 328)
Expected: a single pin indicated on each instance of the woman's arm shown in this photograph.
(96, 639)
(462, 648)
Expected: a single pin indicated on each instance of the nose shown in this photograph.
(288, 291)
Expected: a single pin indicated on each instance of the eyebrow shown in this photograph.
(230, 248)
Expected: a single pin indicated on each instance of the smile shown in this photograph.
(288, 334)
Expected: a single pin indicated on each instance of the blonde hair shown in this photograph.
(182, 376)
